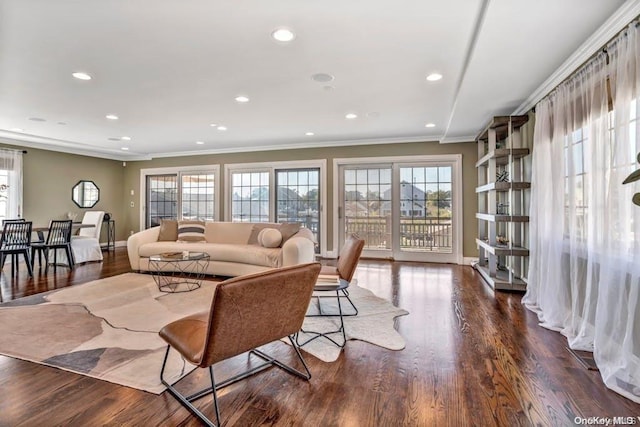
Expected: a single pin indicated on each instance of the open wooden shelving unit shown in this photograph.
(502, 212)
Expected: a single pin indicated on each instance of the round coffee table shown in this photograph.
(179, 271)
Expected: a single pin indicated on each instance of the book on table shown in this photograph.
(328, 278)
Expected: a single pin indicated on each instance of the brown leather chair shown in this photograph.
(246, 312)
(347, 263)
(336, 280)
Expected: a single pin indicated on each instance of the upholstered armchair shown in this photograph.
(86, 245)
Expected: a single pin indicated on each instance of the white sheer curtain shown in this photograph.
(584, 271)
(10, 184)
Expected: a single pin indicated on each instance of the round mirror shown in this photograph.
(85, 194)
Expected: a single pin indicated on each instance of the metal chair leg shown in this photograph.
(316, 335)
(269, 361)
(183, 400)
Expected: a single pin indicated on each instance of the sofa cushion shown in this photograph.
(168, 230)
(288, 230)
(257, 228)
(269, 238)
(190, 231)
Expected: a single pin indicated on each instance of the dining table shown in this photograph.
(43, 229)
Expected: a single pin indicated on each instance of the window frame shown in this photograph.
(178, 171)
(271, 168)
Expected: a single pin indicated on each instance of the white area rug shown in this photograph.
(373, 324)
(108, 328)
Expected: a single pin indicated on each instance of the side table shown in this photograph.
(338, 286)
(179, 272)
(110, 226)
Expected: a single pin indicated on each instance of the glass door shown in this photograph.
(366, 208)
(162, 199)
(424, 226)
(404, 211)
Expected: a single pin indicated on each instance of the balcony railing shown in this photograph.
(430, 234)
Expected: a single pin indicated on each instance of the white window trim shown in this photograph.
(271, 167)
(142, 199)
(457, 202)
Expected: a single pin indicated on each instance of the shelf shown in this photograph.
(502, 218)
(502, 148)
(501, 155)
(501, 281)
(503, 249)
(500, 125)
(503, 186)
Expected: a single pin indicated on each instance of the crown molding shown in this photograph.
(303, 145)
(50, 144)
(61, 146)
(457, 139)
(612, 26)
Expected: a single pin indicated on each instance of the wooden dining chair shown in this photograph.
(58, 237)
(14, 260)
(16, 240)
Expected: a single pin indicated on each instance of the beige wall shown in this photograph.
(468, 151)
(48, 177)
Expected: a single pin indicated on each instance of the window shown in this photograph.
(177, 193)
(10, 184)
(198, 196)
(279, 192)
(297, 197)
(250, 197)
(575, 148)
(577, 169)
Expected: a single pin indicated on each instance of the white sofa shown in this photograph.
(227, 245)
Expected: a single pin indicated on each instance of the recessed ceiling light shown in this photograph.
(213, 124)
(126, 138)
(81, 76)
(351, 116)
(62, 123)
(309, 133)
(283, 35)
(242, 98)
(125, 148)
(430, 125)
(111, 117)
(16, 130)
(221, 128)
(434, 77)
(200, 142)
(113, 139)
(37, 119)
(322, 77)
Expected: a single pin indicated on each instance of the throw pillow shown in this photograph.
(168, 230)
(269, 238)
(257, 228)
(288, 229)
(191, 231)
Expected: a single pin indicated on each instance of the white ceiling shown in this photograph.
(170, 68)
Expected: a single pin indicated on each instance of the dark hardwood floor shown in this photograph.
(472, 358)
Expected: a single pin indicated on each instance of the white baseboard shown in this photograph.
(469, 260)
